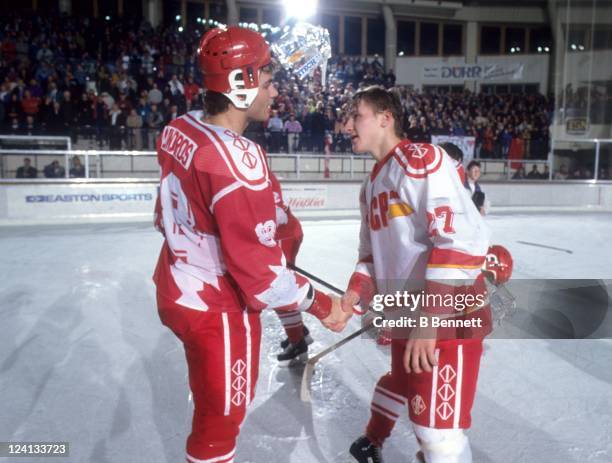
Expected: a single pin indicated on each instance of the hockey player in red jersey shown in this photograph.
(220, 264)
(421, 232)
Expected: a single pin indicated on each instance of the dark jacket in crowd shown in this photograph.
(27, 172)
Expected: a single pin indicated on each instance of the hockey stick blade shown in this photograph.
(310, 365)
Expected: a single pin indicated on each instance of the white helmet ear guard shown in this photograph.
(239, 95)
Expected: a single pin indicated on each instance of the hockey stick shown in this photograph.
(315, 278)
(310, 365)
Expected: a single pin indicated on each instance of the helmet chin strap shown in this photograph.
(240, 96)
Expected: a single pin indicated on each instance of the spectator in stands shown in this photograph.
(13, 108)
(30, 127)
(177, 90)
(562, 174)
(534, 173)
(30, 104)
(27, 170)
(293, 129)
(155, 96)
(488, 143)
(519, 174)
(116, 127)
(472, 185)
(317, 128)
(546, 174)
(134, 124)
(155, 121)
(506, 139)
(54, 170)
(275, 127)
(172, 112)
(78, 169)
(192, 90)
(54, 121)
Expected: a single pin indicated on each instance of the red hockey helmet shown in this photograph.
(499, 264)
(230, 60)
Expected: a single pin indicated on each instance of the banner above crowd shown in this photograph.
(462, 72)
(466, 144)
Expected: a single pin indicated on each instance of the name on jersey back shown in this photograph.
(178, 145)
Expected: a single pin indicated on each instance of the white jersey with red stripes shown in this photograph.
(419, 223)
(217, 210)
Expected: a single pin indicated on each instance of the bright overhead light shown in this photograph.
(300, 9)
(180, 29)
(574, 46)
(581, 47)
(401, 53)
(546, 49)
(539, 49)
(177, 17)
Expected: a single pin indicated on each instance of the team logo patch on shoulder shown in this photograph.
(419, 159)
(178, 145)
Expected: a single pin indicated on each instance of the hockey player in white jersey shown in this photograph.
(420, 232)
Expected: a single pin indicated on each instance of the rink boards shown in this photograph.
(70, 201)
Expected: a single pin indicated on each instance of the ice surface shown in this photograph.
(84, 358)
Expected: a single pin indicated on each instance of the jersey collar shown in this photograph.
(379, 165)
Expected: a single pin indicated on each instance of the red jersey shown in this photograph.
(217, 209)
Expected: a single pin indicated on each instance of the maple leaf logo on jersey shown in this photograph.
(419, 159)
(265, 233)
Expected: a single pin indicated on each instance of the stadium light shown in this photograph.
(180, 29)
(108, 18)
(300, 9)
(401, 53)
(546, 49)
(177, 17)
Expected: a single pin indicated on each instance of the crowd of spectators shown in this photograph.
(52, 170)
(118, 82)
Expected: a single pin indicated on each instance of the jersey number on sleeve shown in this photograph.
(441, 212)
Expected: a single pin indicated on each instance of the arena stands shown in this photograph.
(114, 84)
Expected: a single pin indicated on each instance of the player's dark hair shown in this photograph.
(381, 99)
(453, 150)
(473, 164)
(215, 103)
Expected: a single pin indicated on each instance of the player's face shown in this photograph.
(260, 109)
(363, 125)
